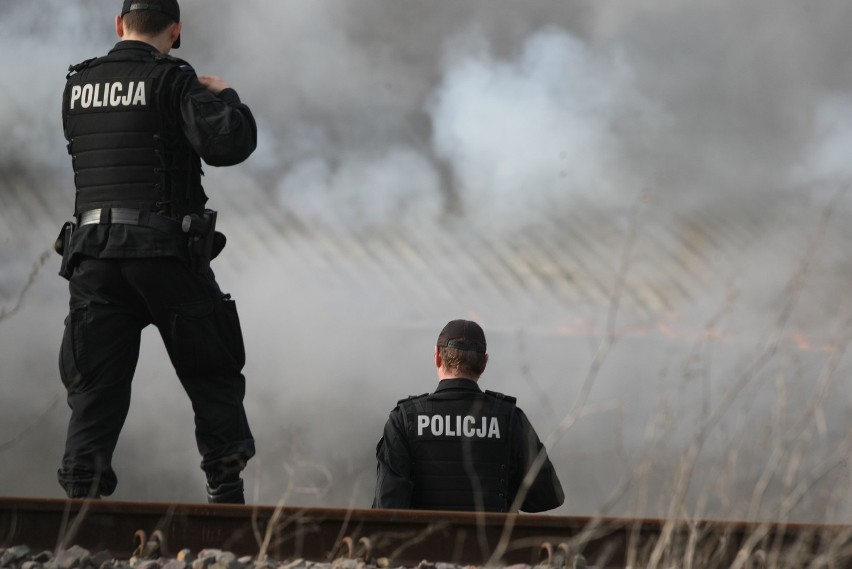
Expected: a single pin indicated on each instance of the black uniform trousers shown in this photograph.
(112, 300)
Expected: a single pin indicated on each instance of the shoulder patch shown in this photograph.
(187, 68)
(507, 398)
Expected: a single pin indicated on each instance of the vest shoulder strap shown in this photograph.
(411, 398)
(174, 60)
(501, 396)
(72, 69)
(501, 403)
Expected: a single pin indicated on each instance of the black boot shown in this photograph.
(82, 492)
(227, 493)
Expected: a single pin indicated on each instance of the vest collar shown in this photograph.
(459, 383)
(133, 44)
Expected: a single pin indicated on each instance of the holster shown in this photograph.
(205, 243)
(62, 245)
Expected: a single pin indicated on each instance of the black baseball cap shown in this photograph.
(168, 7)
(462, 335)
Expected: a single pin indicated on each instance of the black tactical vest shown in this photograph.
(126, 149)
(460, 445)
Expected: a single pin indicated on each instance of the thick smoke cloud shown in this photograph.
(526, 135)
(702, 141)
(37, 43)
(720, 95)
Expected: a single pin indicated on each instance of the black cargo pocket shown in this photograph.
(73, 349)
(207, 338)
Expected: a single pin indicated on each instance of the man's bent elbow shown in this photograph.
(542, 500)
(219, 157)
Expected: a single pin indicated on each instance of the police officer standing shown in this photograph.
(460, 448)
(138, 123)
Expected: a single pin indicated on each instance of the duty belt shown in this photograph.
(128, 216)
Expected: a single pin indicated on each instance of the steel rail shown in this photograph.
(403, 537)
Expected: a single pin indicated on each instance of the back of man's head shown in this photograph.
(462, 347)
(150, 17)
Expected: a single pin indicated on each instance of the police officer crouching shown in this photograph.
(460, 448)
(138, 123)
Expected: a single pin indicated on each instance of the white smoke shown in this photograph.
(44, 43)
(519, 137)
(380, 118)
(527, 135)
(398, 185)
(829, 156)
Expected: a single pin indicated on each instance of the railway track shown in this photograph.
(404, 538)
